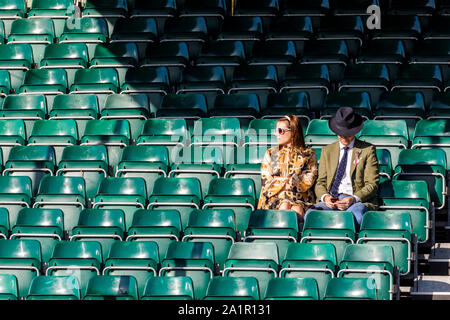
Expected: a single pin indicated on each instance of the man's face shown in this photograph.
(346, 140)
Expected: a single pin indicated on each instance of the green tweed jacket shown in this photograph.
(364, 172)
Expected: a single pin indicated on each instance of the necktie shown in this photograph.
(339, 174)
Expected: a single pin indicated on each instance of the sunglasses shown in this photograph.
(282, 131)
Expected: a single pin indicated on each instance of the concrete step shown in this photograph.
(431, 288)
(439, 259)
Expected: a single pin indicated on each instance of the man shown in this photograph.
(348, 169)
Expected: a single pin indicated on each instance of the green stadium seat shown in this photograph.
(332, 52)
(351, 289)
(261, 132)
(105, 226)
(56, 133)
(292, 289)
(65, 193)
(278, 226)
(259, 260)
(32, 161)
(249, 30)
(69, 56)
(228, 54)
(43, 225)
(259, 79)
(319, 134)
(242, 106)
(49, 82)
(8, 287)
(201, 162)
(134, 108)
(99, 81)
(429, 165)
(174, 56)
(28, 108)
(311, 8)
(351, 29)
(149, 80)
(393, 229)
(386, 51)
(311, 78)
(439, 106)
(237, 194)
(278, 53)
(158, 8)
(119, 55)
(285, 102)
(112, 288)
(353, 7)
(373, 78)
(413, 197)
(12, 133)
(438, 28)
(81, 259)
(139, 30)
(431, 51)
(215, 226)
(310, 260)
(139, 259)
(22, 259)
(298, 29)
(88, 162)
(189, 106)
(407, 28)
(384, 164)
(247, 164)
(54, 288)
(4, 223)
(59, 11)
(366, 260)
(336, 227)
(2, 32)
(5, 83)
(407, 106)
(213, 11)
(79, 107)
(359, 101)
(429, 134)
(37, 32)
(168, 288)
(266, 8)
(144, 161)
(191, 30)
(391, 135)
(86, 30)
(15, 194)
(127, 194)
(17, 59)
(191, 259)
(420, 8)
(10, 11)
(221, 132)
(111, 11)
(160, 226)
(114, 134)
(208, 80)
(233, 288)
(425, 78)
(164, 132)
(182, 194)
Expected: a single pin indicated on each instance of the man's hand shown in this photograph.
(329, 203)
(345, 203)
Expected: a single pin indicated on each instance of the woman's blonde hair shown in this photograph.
(298, 140)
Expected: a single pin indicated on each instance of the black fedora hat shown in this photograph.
(346, 122)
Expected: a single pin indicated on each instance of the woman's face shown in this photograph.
(283, 133)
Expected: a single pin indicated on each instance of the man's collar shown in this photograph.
(351, 145)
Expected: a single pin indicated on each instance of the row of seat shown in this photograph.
(139, 259)
(181, 288)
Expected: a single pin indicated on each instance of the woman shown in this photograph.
(288, 171)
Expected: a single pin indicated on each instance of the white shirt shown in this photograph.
(346, 183)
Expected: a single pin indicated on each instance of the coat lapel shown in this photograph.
(355, 154)
(334, 160)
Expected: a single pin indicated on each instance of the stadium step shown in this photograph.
(430, 287)
(439, 259)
